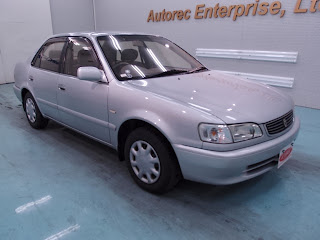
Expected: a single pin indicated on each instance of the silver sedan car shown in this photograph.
(166, 114)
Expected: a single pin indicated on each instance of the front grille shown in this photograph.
(280, 124)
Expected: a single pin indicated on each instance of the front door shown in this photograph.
(83, 105)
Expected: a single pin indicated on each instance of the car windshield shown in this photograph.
(144, 56)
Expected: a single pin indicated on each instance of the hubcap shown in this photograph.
(31, 110)
(145, 162)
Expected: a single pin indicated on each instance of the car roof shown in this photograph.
(96, 34)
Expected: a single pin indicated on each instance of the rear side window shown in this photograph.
(80, 53)
(49, 57)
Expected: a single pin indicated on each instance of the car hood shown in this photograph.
(232, 99)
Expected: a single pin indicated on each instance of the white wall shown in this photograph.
(24, 25)
(298, 32)
(72, 15)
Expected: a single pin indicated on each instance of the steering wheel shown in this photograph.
(118, 66)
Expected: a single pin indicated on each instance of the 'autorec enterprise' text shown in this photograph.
(232, 11)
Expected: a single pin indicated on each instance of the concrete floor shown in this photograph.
(77, 189)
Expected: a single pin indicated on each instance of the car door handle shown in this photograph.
(61, 87)
(30, 78)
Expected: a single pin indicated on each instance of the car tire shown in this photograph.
(34, 116)
(151, 161)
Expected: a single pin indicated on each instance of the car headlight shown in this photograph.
(246, 131)
(228, 134)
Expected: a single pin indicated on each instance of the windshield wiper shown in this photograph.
(167, 73)
(198, 69)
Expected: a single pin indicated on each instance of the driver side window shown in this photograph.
(80, 53)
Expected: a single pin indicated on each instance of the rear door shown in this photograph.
(44, 76)
(83, 105)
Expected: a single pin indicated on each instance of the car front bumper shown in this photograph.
(230, 167)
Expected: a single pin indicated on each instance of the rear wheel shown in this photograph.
(150, 161)
(34, 116)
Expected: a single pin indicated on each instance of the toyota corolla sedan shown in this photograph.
(167, 115)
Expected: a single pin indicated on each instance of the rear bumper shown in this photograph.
(17, 91)
(232, 166)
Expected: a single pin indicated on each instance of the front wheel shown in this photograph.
(34, 116)
(150, 161)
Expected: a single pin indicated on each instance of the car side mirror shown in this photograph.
(89, 74)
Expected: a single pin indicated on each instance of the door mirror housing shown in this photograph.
(89, 74)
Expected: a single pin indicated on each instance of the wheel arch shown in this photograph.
(24, 91)
(130, 125)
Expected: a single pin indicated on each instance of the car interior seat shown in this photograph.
(129, 55)
(85, 59)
